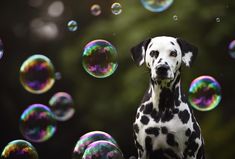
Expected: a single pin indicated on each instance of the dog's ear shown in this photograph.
(138, 52)
(189, 52)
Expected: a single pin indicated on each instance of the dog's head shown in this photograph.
(164, 56)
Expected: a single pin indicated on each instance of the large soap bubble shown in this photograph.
(37, 123)
(204, 93)
(37, 74)
(157, 5)
(19, 149)
(100, 58)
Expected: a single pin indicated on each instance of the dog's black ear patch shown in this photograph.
(138, 52)
(189, 52)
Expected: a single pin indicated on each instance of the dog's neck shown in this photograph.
(164, 95)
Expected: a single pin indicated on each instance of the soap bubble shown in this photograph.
(37, 74)
(102, 150)
(37, 123)
(217, 20)
(157, 5)
(72, 25)
(89, 138)
(231, 48)
(175, 17)
(95, 10)
(116, 8)
(204, 93)
(62, 106)
(100, 58)
(58, 76)
(19, 149)
(1, 49)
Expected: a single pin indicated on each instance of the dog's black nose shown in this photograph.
(162, 70)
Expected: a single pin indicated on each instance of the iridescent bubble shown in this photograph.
(19, 149)
(102, 150)
(58, 76)
(100, 58)
(37, 74)
(175, 17)
(1, 49)
(204, 93)
(37, 123)
(157, 5)
(231, 49)
(116, 8)
(62, 106)
(72, 25)
(89, 138)
(95, 10)
(217, 20)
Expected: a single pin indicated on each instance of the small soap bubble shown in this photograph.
(217, 20)
(19, 149)
(37, 123)
(1, 49)
(89, 138)
(102, 150)
(58, 76)
(99, 58)
(96, 10)
(231, 49)
(175, 18)
(204, 93)
(72, 25)
(62, 106)
(157, 5)
(116, 8)
(37, 74)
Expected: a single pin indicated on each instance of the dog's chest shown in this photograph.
(166, 129)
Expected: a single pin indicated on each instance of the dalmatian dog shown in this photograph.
(165, 127)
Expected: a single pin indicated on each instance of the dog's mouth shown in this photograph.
(161, 78)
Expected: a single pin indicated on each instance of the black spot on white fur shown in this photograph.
(171, 140)
(184, 116)
(144, 120)
(152, 131)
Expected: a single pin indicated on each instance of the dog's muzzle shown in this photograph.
(162, 72)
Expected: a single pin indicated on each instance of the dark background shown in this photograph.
(110, 104)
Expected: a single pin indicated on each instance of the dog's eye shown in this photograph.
(154, 54)
(173, 53)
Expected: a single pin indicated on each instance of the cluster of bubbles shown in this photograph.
(1, 48)
(37, 123)
(204, 93)
(37, 74)
(72, 25)
(116, 9)
(157, 5)
(231, 49)
(62, 106)
(99, 58)
(19, 149)
(97, 144)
